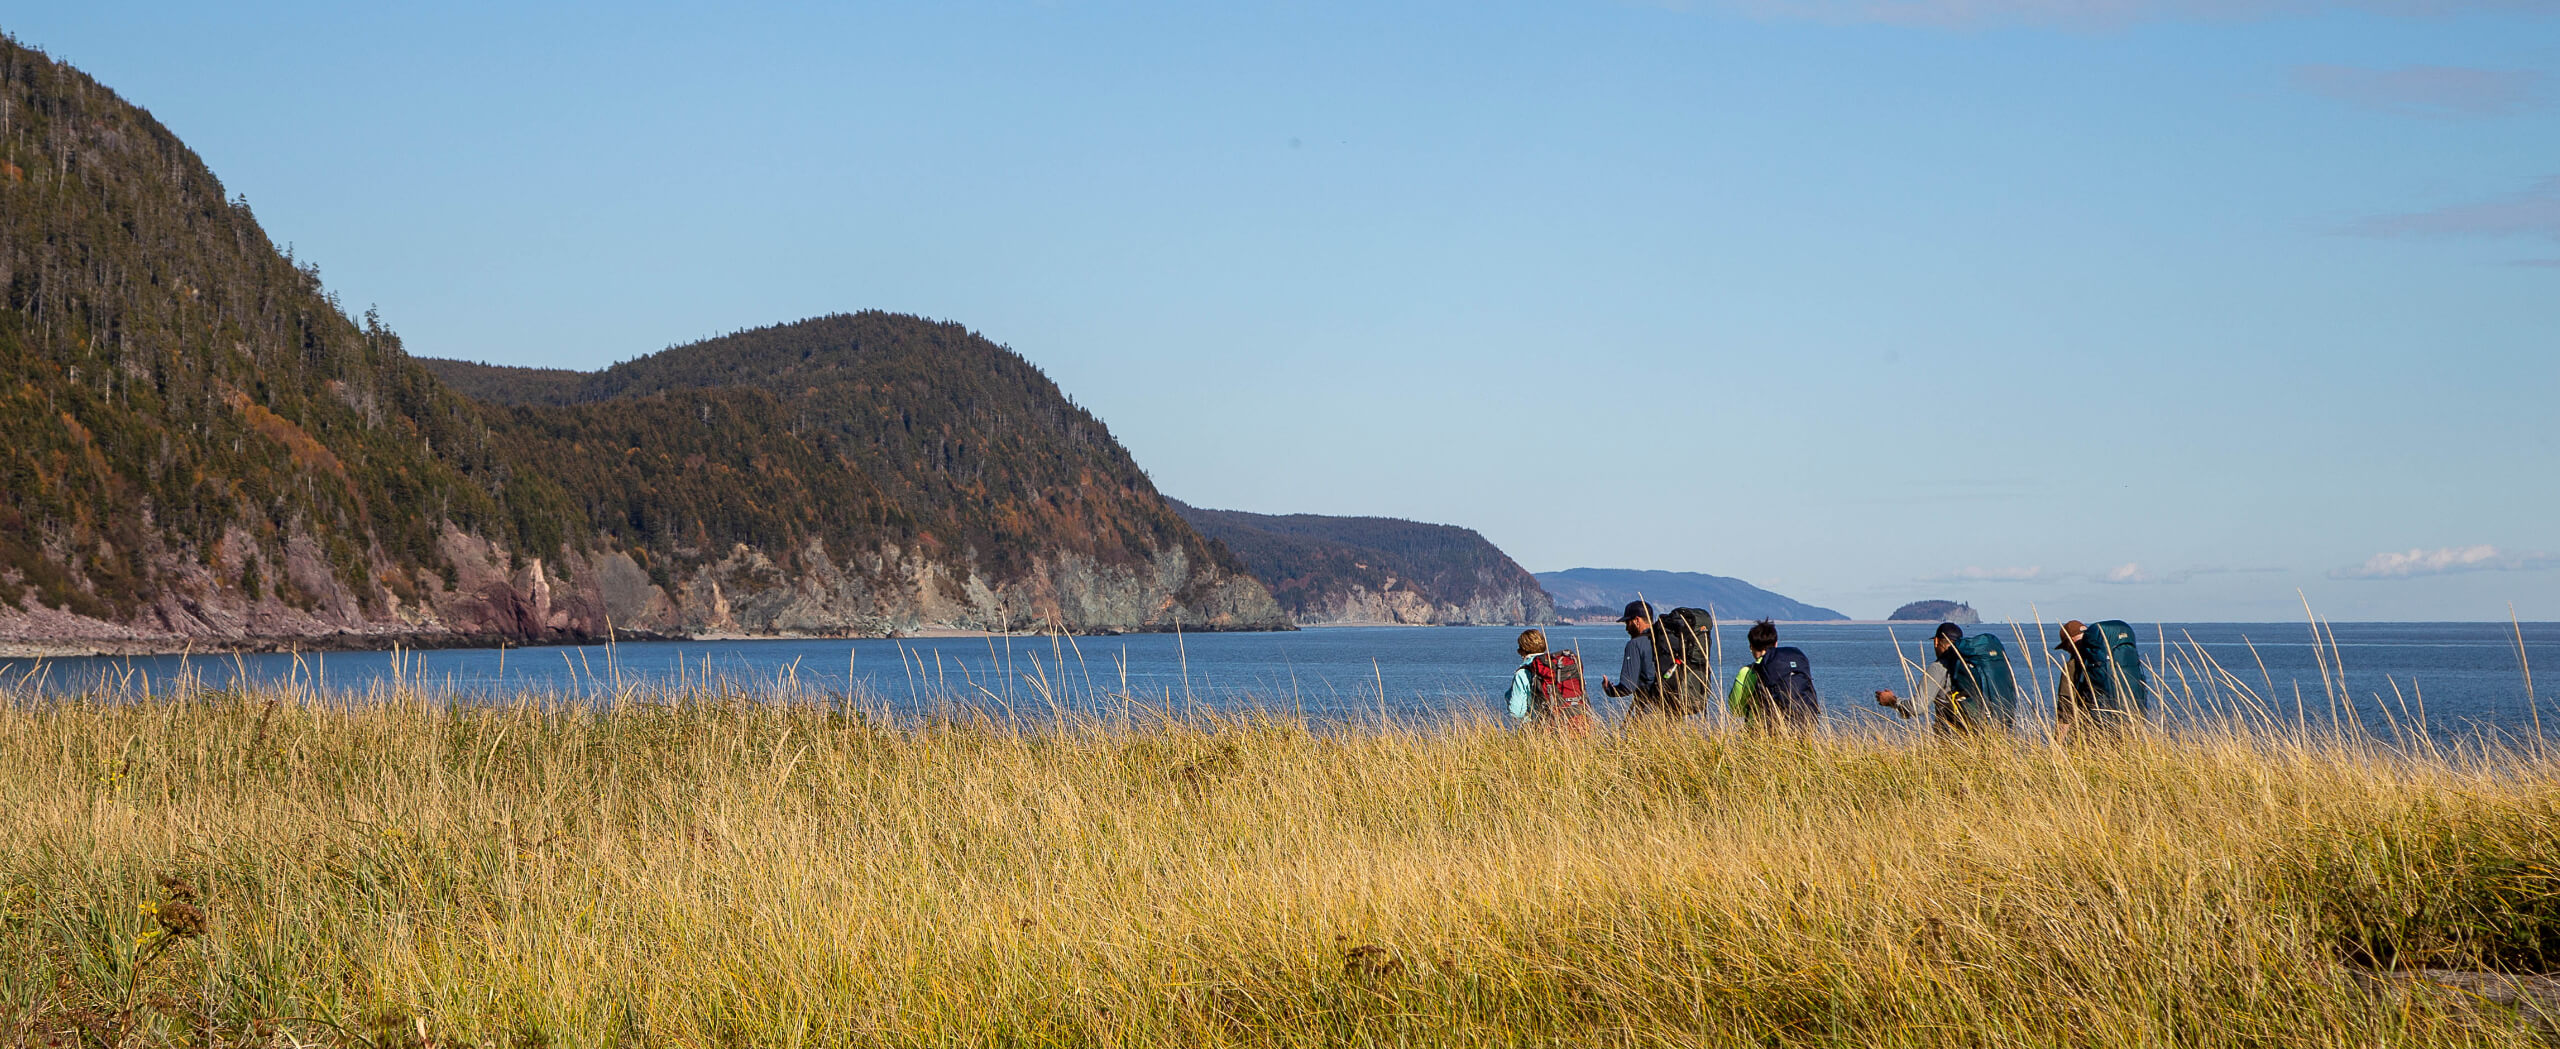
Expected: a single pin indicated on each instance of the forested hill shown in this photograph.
(869, 432)
(1329, 570)
(1598, 592)
(202, 447)
(949, 439)
(194, 439)
(505, 384)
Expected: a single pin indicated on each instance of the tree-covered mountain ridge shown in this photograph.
(914, 442)
(202, 447)
(1329, 571)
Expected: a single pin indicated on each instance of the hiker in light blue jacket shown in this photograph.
(1516, 701)
(1546, 690)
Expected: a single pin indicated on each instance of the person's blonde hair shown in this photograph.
(1533, 642)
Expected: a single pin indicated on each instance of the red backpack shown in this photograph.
(1555, 691)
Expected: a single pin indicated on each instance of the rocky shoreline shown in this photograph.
(496, 599)
(362, 642)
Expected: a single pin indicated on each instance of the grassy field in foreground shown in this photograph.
(401, 872)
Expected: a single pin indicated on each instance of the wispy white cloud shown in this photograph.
(2443, 561)
(2535, 212)
(1979, 574)
(2088, 13)
(2132, 572)
(2436, 91)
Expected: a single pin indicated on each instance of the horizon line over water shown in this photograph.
(2456, 679)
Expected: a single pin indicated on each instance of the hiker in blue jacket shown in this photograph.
(1637, 675)
(1517, 702)
(1546, 691)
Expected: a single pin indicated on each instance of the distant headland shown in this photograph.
(1957, 612)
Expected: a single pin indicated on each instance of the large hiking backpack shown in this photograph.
(1555, 687)
(1982, 674)
(2114, 663)
(1786, 678)
(1681, 654)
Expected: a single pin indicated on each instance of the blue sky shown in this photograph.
(2137, 308)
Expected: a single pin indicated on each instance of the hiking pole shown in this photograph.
(1588, 707)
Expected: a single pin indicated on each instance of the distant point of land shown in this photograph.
(1957, 612)
(1601, 593)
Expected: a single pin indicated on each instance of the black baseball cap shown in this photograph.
(1634, 609)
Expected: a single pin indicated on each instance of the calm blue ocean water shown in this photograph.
(2457, 678)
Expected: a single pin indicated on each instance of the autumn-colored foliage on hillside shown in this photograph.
(186, 413)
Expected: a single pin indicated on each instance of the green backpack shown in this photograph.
(1990, 691)
(2115, 666)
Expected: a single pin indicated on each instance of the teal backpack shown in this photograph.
(1990, 691)
(2115, 666)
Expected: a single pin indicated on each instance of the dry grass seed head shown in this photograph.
(1370, 959)
(182, 919)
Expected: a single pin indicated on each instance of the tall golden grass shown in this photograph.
(396, 869)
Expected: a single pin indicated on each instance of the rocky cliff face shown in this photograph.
(589, 594)
(197, 447)
(1347, 570)
(1387, 604)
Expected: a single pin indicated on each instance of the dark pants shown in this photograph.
(1669, 702)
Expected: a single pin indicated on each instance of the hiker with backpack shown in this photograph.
(1775, 689)
(2103, 685)
(1666, 668)
(1546, 692)
(1967, 688)
(1683, 647)
(1639, 683)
